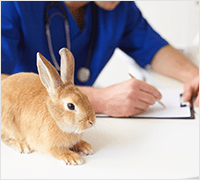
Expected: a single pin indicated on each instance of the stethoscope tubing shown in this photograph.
(48, 33)
(83, 70)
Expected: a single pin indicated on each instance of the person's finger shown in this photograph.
(146, 98)
(150, 89)
(197, 101)
(126, 112)
(137, 111)
(141, 104)
(191, 88)
(187, 95)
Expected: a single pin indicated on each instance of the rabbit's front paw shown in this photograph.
(70, 157)
(83, 148)
(73, 159)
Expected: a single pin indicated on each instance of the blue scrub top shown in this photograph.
(23, 34)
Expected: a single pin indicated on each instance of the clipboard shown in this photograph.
(176, 108)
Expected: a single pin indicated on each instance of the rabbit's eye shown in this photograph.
(71, 106)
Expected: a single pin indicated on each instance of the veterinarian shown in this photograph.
(92, 31)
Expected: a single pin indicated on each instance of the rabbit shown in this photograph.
(46, 112)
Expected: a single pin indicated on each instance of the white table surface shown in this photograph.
(124, 148)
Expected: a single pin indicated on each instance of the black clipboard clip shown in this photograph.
(187, 104)
(183, 104)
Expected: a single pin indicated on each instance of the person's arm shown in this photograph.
(171, 62)
(4, 76)
(10, 37)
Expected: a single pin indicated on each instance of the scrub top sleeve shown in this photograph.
(10, 36)
(139, 40)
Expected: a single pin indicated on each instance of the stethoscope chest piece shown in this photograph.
(83, 74)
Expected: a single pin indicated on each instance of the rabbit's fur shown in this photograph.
(35, 115)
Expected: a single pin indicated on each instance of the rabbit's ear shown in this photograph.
(48, 74)
(67, 65)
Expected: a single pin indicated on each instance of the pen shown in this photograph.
(156, 99)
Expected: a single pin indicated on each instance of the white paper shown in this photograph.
(172, 100)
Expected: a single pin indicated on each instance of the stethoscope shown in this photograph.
(83, 73)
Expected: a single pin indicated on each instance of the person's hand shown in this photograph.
(192, 89)
(128, 98)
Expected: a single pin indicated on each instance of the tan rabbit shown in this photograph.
(46, 113)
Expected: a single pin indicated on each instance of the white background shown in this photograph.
(176, 21)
